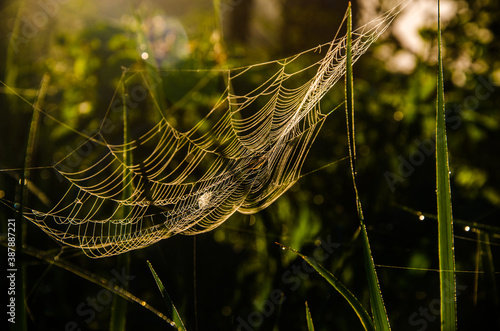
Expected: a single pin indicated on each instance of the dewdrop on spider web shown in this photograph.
(239, 157)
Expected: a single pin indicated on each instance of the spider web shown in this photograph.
(187, 175)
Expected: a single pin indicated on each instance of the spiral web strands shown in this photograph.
(242, 155)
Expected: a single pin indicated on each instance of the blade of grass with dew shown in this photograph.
(172, 311)
(380, 318)
(445, 218)
(119, 305)
(310, 325)
(363, 315)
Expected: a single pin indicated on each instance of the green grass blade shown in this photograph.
(310, 325)
(445, 218)
(363, 315)
(55, 260)
(379, 312)
(119, 306)
(377, 303)
(172, 311)
(349, 92)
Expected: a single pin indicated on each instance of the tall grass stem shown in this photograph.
(379, 312)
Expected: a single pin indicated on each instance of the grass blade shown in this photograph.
(21, 225)
(54, 259)
(377, 303)
(119, 305)
(379, 312)
(363, 315)
(172, 311)
(445, 218)
(310, 326)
